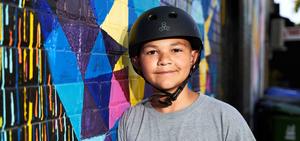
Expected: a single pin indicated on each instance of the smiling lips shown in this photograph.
(164, 72)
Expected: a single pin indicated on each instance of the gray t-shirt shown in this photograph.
(207, 119)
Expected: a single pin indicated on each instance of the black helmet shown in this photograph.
(163, 22)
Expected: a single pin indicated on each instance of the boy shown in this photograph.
(164, 48)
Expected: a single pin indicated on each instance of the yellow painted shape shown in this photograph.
(1, 122)
(203, 74)
(29, 122)
(42, 102)
(23, 3)
(207, 25)
(116, 22)
(10, 135)
(1, 22)
(136, 87)
(24, 65)
(206, 41)
(30, 47)
(121, 63)
(24, 25)
(24, 104)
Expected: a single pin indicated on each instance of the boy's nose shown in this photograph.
(164, 59)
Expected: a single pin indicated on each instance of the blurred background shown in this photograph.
(65, 73)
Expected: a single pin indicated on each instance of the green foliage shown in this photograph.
(297, 5)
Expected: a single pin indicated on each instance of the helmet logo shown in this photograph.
(164, 27)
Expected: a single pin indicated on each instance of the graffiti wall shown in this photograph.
(65, 73)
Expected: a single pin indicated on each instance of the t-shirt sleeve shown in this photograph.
(122, 127)
(237, 128)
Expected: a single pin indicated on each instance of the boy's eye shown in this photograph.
(151, 52)
(176, 50)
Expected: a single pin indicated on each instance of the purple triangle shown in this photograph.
(112, 47)
(92, 123)
(79, 24)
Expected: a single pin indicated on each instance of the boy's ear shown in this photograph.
(195, 54)
(135, 62)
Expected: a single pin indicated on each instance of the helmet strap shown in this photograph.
(168, 97)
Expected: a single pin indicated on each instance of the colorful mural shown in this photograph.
(65, 72)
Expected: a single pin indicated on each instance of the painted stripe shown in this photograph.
(1, 24)
(30, 46)
(24, 24)
(57, 134)
(40, 66)
(10, 39)
(23, 4)
(6, 15)
(65, 128)
(39, 95)
(29, 122)
(5, 136)
(12, 109)
(10, 135)
(55, 100)
(3, 94)
(19, 40)
(24, 104)
(5, 58)
(25, 65)
(36, 104)
(4, 109)
(20, 3)
(11, 61)
(42, 103)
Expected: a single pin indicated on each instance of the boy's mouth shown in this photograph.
(165, 72)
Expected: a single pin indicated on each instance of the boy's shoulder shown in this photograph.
(214, 105)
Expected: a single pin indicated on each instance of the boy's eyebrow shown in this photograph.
(172, 44)
(178, 43)
(147, 45)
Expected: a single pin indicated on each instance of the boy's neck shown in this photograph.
(185, 99)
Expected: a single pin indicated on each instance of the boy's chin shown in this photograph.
(169, 90)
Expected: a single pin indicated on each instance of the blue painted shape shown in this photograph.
(206, 7)
(143, 5)
(137, 7)
(101, 9)
(64, 69)
(101, 96)
(102, 90)
(57, 40)
(45, 16)
(99, 63)
(113, 132)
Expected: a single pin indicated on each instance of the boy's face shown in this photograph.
(166, 63)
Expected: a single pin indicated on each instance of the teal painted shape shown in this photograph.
(197, 14)
(97, 138)
(72, 98)
(99, 63)
(66, 77)
(143, 5)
